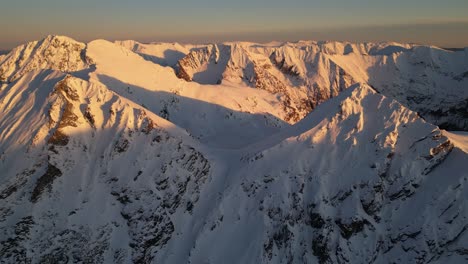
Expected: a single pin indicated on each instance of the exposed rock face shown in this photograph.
(276, 73)
(204, 65)
(45, 181)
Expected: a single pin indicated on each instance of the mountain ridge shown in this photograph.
(302, 81)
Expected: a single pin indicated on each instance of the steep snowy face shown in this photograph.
(428, 80)
(283, 71)
(359, 180)
(204, 65)
(342, 195)
(54, 52)
(221, 116)
(164, 54)
(90, 153)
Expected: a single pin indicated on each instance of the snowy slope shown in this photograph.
(272, 153)
(222, 116)
(91, 153)
(459, 138)
(429, 80)
(337, 187)
(165, 54)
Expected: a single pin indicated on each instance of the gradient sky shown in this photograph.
(443, 23)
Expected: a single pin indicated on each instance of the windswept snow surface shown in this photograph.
(459, 138)
(307, 152)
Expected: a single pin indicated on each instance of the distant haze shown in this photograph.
(441, 23)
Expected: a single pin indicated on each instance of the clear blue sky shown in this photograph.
(438, 22)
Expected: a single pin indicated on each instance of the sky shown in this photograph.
(435, 22)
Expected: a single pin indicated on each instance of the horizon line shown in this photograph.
(351, 34)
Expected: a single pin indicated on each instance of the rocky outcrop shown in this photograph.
(204, 65)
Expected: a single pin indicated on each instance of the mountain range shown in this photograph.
(237, 152)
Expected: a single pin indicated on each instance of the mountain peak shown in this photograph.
(60, 38)
(53, 52)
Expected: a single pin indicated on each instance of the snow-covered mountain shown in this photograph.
(308, 152)
(429, 80)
